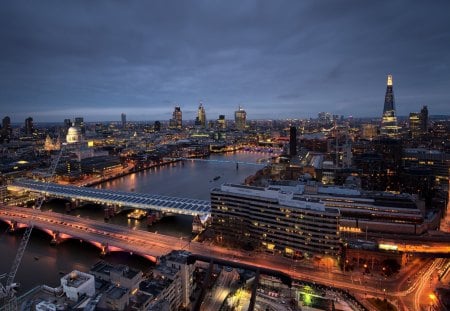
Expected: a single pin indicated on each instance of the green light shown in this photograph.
(307, 299)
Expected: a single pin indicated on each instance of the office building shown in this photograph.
(414, 124)
(389, 126)
(240, 119)
(123, 118)
(274, 220)
(177, 119)
(157, 126)
(361, 211)
(79, 122)
(29, 128)
(418, 122)
(6, 132)
(293, 141)
(369, 131)
(201, 116)
(221, 122)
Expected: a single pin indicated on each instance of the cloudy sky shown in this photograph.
(278, 59)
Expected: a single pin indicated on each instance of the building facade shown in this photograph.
(273, 220)
(201, 116)
(240, 119)
(177, 119)
(389, 125)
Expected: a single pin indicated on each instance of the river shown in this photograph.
(44, 264)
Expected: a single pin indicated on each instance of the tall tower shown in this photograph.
(79, 122)
(424, 119)
(6, 132)
(201, 116)
(292, 141)
(240, 117)
(123, 117)
(389, 120)
(29, 128)
(177, 118)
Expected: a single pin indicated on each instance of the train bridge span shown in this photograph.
(120, 199)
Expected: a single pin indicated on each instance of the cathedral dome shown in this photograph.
(73, 135)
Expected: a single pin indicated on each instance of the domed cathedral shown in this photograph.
(74, 135)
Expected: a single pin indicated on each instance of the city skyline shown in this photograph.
(104, 59)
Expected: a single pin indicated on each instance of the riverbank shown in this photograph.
(104, 179)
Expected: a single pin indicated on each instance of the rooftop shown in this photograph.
(77, 278)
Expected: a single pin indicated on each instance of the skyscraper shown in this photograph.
(177, 118)
(424, 119)
(29, 129)
(418, 122)
(124, 119)
(414, 124)
(6, 129)
(293, 141)
(157, 126)
(240, 117)
(221, 122)
(201, 116)
(389, 119)
(79, 122)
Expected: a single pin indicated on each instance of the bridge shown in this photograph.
(110, 238)
(259, 163)
(126, 200)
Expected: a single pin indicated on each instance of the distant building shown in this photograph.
(414, 124)
(157, 126)
(424, 118)
(325, 118)
(123, 118)
(29, 128)
(221, 122)
(418, 122)
(293, 141)
(67, 123)
(6, 132)
(369, 131)
(177, 119)
(240, 119)
(389, 125)
(201, 116)
(79, 122)
(50, 145)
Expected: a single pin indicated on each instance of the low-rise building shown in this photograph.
(77, 283)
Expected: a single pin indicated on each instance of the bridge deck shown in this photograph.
(162, 203)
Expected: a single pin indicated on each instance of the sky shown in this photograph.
(277, 59)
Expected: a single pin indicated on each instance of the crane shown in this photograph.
(7, 291)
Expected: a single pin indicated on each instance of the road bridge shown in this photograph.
(109, 238)
(123, 200)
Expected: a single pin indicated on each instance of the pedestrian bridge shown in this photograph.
(144, 201)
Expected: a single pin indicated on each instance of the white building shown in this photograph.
(77, 283)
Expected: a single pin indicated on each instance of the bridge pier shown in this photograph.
(154, 216)
(70, 206)
(55, 238)
(12, 226)
(111, 211)
(105, 249)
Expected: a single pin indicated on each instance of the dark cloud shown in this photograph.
(278, 59)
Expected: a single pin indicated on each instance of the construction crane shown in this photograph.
(8, 291)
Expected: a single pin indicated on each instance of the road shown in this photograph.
(153, 245)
